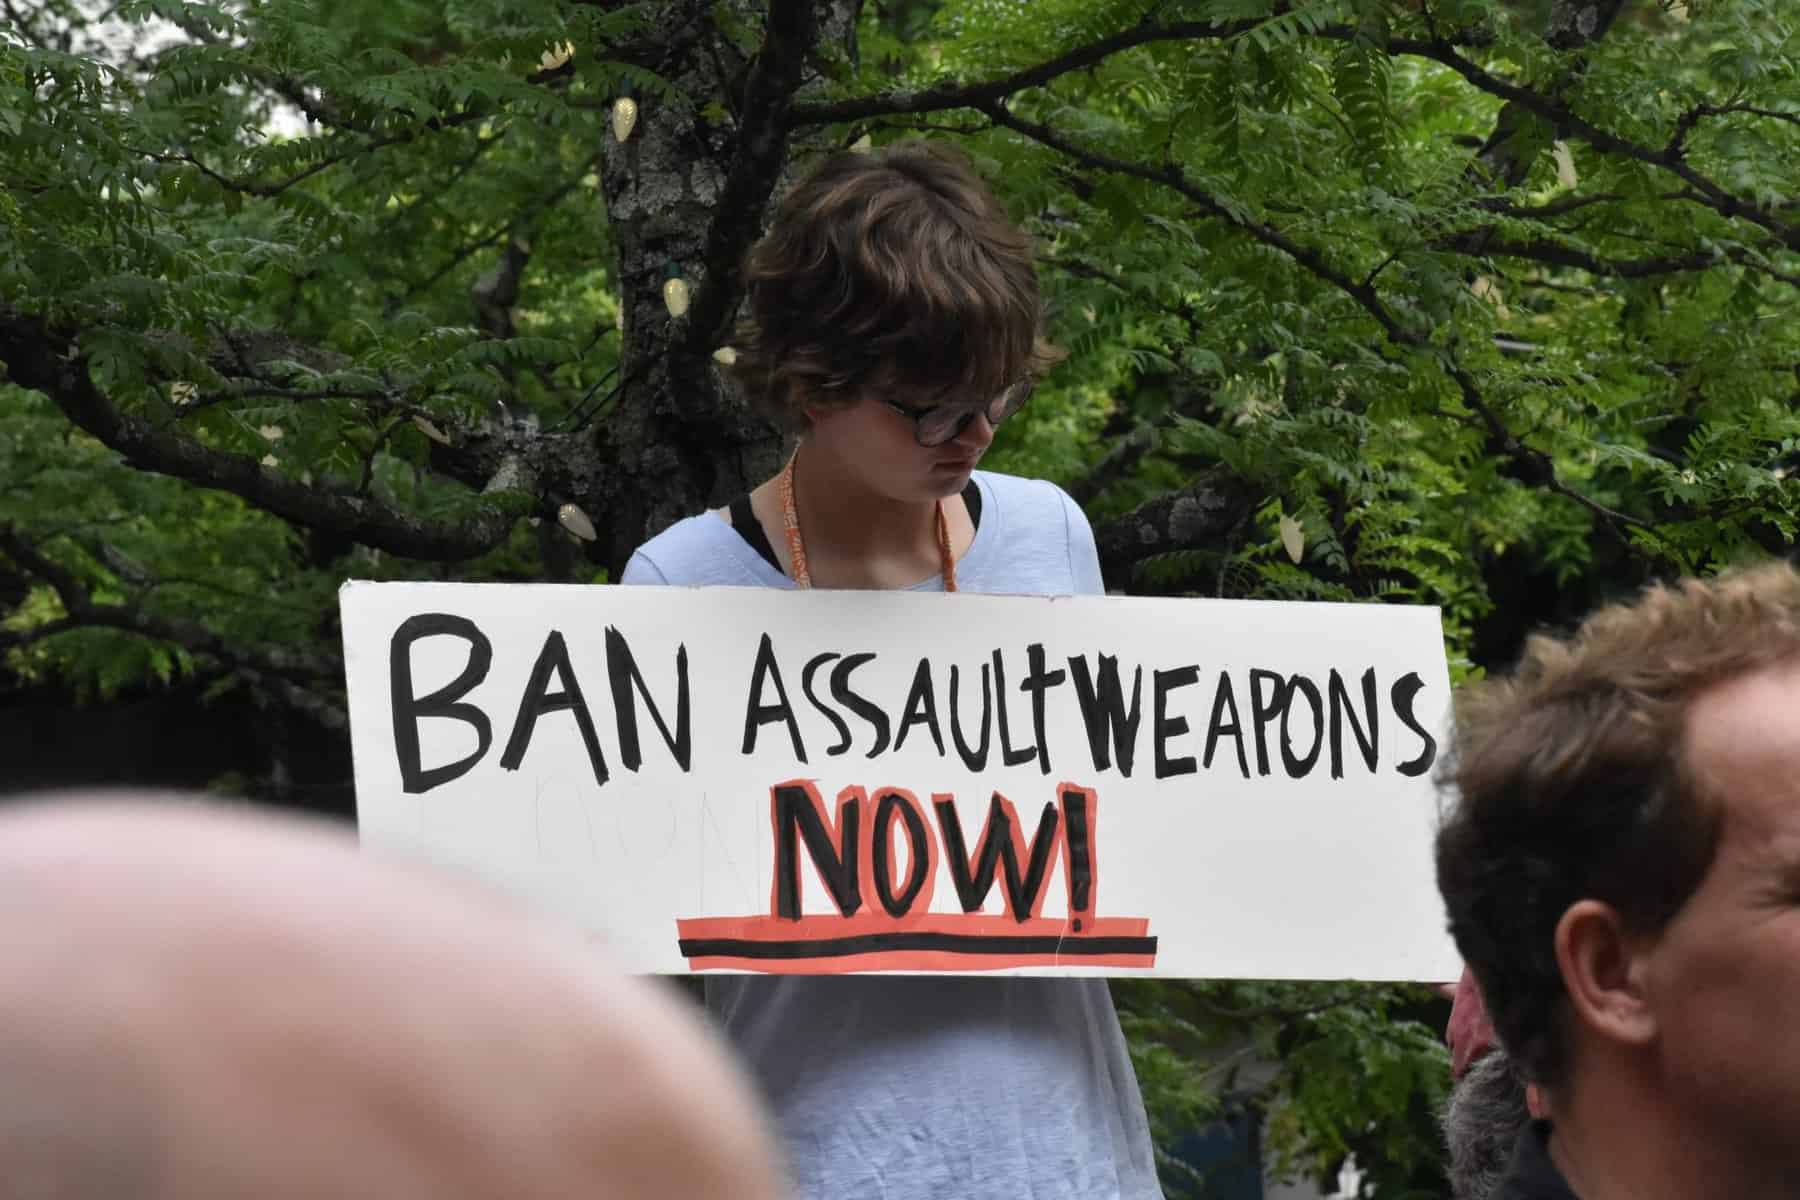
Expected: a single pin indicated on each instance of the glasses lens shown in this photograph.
(1007, 403)
(942, 423)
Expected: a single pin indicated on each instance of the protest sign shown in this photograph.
(751, 779)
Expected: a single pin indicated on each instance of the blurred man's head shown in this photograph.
(1622, 867)
(1483, 1118)
(197, 1004)
(1489, 1105)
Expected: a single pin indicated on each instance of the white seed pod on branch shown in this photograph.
(624, 117)
(576, 522)
(1293, 538)
(1565, 165)
(431, 431)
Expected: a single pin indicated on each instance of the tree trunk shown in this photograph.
(686, 195)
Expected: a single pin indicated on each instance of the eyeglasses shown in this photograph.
(943, 423)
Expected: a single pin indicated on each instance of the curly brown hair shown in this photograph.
(896, 269)
(1570, 782)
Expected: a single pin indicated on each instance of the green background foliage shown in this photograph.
(1491, 305)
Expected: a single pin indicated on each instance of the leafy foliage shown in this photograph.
(1491, 305)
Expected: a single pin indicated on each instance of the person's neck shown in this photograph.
(1616, 1137)
(842, 520)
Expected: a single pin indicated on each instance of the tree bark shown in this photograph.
(1203, 515)
(1508, 153)
(686, 195)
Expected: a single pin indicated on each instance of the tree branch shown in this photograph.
(1201, 515)
(1530, 466)
(1172, 176)
(230, 395)
(277, 669)
(40, 358)
(1669, 158)
(251, 187)
(986, 96)
(514, 225)
(294, 666)
(1125, 454)
(357, 148)
(1486, 242)
(1693, 116)
(1084, 270)
(1718, 110)
(790, 33)
(1556, 208)
(321, 112)
(328, 715)
(13, 639)
(27, 34)
(977, 95)
(495, 293)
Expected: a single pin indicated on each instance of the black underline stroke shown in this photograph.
(946, 943)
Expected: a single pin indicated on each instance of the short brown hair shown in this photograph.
(1570, 783)
(893, 268)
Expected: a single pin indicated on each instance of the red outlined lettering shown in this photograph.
(797, 814)
(897, 807)
(884, 922)
(1001, 845)
(1080, 867)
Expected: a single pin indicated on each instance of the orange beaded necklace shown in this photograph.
(790, 524)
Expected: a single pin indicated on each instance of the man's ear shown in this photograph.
(1602, 971)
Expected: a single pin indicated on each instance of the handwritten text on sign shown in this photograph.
(826, 782)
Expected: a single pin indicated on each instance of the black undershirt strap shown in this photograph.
(743, 519)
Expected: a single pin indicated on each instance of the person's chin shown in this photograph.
(953, 475)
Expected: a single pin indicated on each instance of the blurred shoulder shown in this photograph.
(694, 551)
(1030, 503)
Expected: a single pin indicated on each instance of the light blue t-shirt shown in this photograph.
(937, 1087)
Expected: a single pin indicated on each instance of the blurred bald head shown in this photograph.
(201, 1004)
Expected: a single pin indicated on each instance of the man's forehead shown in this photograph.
(1741, 743)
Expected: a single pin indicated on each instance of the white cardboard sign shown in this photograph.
(823, 782)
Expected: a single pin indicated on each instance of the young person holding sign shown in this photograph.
(894, 321)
